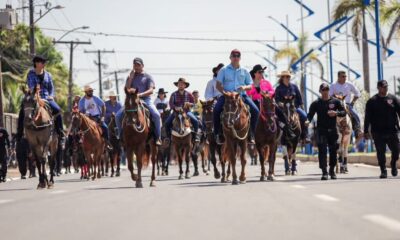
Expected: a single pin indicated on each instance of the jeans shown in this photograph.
(355, 119)
(170, 119)
(302, 114)
(327, 139)
(381, 140)
(103, 126)
(220, 106)
(155, 117)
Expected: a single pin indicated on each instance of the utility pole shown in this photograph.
(99, 64)
(1, 96)
(330, 43)
(31, 28)
(72, 44)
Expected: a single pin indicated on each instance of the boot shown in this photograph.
(394, 168)
(251, 138)
(158, 141)
(61, 138)
(332, 173)
(197, 137)
(324, 175)
(383, 174)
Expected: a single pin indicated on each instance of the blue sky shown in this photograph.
(167, 60)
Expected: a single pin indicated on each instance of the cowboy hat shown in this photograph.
(112, 94)
(182, 80)
(217, 68)
(285, 73)
(87, 88)
(161, 91)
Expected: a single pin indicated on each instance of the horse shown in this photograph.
(344, 128)
(267, 135)
(213, 147)
(236, 125)
(253, 153)
(115, 153)
(40, 134)
(199, 148)
(93, 144)
(137, 137)
(289, 144)
(77, 155)
(164, 151)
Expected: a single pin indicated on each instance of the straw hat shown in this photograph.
(112, 94)
(87, 88)
(285, 73)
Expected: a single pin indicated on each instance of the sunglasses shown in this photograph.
(325, 89)
(235, 55)
(261, 72)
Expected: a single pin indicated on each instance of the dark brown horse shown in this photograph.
(213, 147)
(164, 151)
(182, 140)
(115, 153)
(137, 137)
(236, 125)
(93, 143)
(40, 134)
(289, 144)
(267, 134)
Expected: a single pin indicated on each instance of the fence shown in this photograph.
(10, 121)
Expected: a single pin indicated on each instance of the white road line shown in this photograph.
(325, 197)
(58, 191)
(6, 201)
(386, 222)
(298, 186)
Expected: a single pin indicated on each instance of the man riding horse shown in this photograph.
(95, 108)
(39, 76)
(234, 78)
(144, 84)
(182, 99)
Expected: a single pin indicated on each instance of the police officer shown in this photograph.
(4, 147)
(327, 109)
(381, 117)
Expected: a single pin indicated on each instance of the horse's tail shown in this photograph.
(146, 157)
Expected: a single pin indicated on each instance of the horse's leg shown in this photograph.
(213, 160)
(232, 150)
(111, 158)
(261, 151)
(293, 160)
(187, 160)
(285, 153)
(139, 163)
(195, 158)
(271, 161)
(52, 165)
(129, 157)
(153, 156)
(243, 148)
(180, 160)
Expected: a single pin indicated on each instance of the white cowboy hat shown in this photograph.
(112, 94)
(285, 73)
(87, 88)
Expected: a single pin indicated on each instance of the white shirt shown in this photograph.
(345, 89)
(158, 102)
(211, 90)
(91, 107)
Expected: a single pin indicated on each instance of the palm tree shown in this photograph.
(358, 9)
(295, 53)
(391, 16)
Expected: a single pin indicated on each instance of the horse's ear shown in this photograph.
(202, 102)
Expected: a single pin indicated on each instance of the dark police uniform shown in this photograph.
(4, 145)
(381, 115)
(327, 135)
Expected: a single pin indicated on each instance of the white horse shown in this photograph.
(344, 127)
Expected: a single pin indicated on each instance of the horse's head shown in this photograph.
(232, 107)
(208, 113)
(132, 105)
(76, 119)
(267, 103)
(29, 102)
(181, 121)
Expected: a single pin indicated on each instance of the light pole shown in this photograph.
(73, 30)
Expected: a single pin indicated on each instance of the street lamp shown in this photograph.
(48, 10)
(73, 30)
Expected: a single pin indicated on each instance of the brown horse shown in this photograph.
(40, 135)
(289, 144)
(236, 125)
(92, 141)
(182, 140)
(345, 129)
(137, 137)
(164, 151)
(267, 134)
(115, 153)
(213, 147)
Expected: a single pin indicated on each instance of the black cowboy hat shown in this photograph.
(257, 68)
(39, 58)
(182, 80)
(161, 91)
(217, 68)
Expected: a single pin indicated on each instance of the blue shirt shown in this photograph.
(211, 90)
(110, 109)
(231, 78)
(142, 82)
(292, 90)
(46, 86)
(99, 104)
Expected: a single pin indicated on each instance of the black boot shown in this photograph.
(324, 175)
(393, 165)
(332, 173)
(383, 174)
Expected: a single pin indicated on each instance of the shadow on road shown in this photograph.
(15, 189)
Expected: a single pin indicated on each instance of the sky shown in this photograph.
(167, 60)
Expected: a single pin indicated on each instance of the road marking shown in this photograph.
(6, 201)
(386, 222)
(58, 192)
(326, 197)
(298, 186)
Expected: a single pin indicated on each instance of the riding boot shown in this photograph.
(196, 137)
(61, 138)
(251, 137)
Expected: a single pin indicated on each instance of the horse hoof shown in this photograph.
(187, 176)
(262, 178)
(50, 186)
(180, 177)
(287, 173)
(235, 182)
(270, 178)
(112, 175)
(294, 173)
(139, 185)
(196, 173)
(134, 177)
(223, 180)
(118, 174)
(152, 184)
(217, 175)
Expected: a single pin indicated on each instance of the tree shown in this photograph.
(358, 9)
(391, 16)
(295, 53)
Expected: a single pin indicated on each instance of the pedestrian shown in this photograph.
(5, 149)
(348, 90)
(327, 109)
(382, 124)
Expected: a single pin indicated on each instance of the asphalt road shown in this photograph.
(356, 206)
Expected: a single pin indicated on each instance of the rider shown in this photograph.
(286, 88)
(382, 116)
(197, 107)
(4, 147)
(262, 85)
(112, 106)
(182, 99)
(39, 76)
(144, 84)
(345, 88)
(327, 109)
(234, 78)
(161, 101)
(211, 89)
(95, 108)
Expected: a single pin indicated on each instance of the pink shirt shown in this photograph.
(265, 86)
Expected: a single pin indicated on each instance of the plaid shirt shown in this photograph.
(178, 100)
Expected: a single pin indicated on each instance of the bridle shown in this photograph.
(136, 123)
(35, 112)
(268, 114)
(232, 120)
